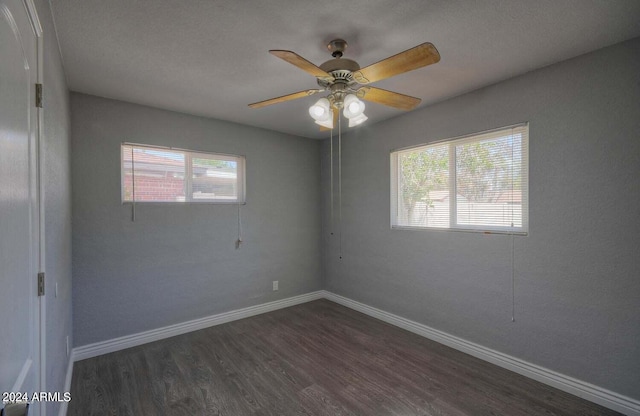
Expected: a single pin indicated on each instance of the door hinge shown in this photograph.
(39, 95)
(41, 284)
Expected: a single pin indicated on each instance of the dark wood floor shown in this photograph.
(318, 358)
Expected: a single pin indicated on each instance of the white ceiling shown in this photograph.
(210, 57)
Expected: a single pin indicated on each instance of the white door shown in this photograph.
(19, 210)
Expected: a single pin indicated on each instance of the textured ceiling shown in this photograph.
(210, 58)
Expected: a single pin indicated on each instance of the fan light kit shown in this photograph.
(342, 78)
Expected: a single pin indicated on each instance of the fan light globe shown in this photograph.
(353, 107)
(328, 123)
(354, 121)
(321, 110)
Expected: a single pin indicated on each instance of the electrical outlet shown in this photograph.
(275, 285)
(56, 289)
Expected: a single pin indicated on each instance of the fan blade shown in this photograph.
(284, 98)
(414, 58)
(390, 98)
(297, 60)
(336, 114)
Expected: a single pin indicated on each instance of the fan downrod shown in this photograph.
(337, 47)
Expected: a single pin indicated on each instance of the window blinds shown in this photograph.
(153, 174)
(478, 182)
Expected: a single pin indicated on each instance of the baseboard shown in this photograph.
(67, 386)
(603, 397)
(607, 398)
(128, 341)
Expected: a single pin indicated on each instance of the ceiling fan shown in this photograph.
(343, 78)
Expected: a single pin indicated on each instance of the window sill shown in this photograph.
(183, 202)
(459, 230)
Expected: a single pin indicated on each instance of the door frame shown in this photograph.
(38, 141)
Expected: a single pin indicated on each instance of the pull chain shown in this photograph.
(340, 183)
(331, 175)
(239, 240)
(513, 262)
(133, 182)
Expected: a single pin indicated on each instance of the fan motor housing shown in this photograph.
(340, 64)
(341, 71)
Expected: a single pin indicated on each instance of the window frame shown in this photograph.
(395, 174)
(188, 175)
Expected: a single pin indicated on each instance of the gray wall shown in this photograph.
(577, 272)
(577, 281)
(56, 161)
(178, 262)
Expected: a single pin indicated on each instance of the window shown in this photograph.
(156, 174)
(475, 183)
